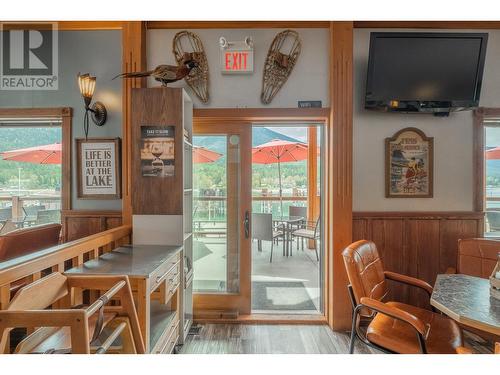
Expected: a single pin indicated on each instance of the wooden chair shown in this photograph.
(78, 330)
(476, 257)
(393, 327)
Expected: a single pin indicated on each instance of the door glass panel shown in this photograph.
(287, 182)
(216, 213)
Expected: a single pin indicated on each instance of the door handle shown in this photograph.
(246, 223)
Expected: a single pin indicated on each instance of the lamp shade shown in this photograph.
(86, 83)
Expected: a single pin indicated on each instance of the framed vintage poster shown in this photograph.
(409, 165)
(98, 168)
(157, 151)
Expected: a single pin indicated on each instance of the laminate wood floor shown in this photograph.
(283, 339)
(268, 339)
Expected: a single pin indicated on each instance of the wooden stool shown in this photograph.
(68, 330)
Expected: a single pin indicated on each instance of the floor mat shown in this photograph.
(283, 295)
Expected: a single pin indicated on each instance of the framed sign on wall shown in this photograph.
(409, 164)
(98, 168)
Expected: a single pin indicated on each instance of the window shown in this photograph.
(33, 186)
(492, 177)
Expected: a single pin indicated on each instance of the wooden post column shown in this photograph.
(339, 173)
(312, 178)
(134, 59)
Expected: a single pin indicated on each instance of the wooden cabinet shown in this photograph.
(162, 205)
(155, 278)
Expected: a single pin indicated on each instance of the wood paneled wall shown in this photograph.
(77, 224)
(419, 244)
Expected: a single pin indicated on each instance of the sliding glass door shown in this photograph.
(221, 217)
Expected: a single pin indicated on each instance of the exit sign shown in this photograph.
(236, 57)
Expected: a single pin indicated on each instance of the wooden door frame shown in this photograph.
(247, 118)
(239, 302)
(338, 179)
(479, 176)
(65, 114)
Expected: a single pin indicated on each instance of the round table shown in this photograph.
(466, 299)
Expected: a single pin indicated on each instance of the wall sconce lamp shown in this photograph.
(86, 83)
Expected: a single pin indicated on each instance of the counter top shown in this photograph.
(132, 260)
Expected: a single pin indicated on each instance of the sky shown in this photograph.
(296, 132)
(492, 136)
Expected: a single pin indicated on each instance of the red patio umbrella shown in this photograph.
(279, 151)
(493, 154)
(45, 154)
(204, 155)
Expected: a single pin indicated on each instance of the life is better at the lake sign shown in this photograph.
(236, 57)
(98, 168)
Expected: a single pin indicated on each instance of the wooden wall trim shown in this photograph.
(80, 25)
(66, 115)
(427, 24)
(77, 224)
(134, 59)
(418, 244)
(236, 24)
(424, 215)
(262, 114)
(338, 223)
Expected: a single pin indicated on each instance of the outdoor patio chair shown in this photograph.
(493, 218)
(310, 231)
(48, 216)
(5, 214)
(31, 212)
(263, 230)
(298, 211)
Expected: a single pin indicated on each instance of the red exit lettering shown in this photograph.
(236, 60)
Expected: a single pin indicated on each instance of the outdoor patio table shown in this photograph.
(467, 300)
(288, 221)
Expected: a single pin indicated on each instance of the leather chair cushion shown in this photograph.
(444, 335)
(365, 271)
(28, 240)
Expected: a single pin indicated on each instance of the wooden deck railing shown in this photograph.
(58, 258)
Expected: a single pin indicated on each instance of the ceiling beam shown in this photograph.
(427, 25)
(235, 24)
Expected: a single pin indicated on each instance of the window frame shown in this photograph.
(65, 114)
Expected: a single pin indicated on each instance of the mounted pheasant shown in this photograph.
(166, 73)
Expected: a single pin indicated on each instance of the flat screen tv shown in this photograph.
(425, 72)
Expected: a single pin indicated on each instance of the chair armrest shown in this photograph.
(409, 280)
(451, 271)
(395, 313)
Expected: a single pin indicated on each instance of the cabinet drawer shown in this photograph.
(170, 334)
(166, 271)
(173, 283)
(172, 340)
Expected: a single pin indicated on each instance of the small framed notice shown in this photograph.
(98, 168)
(157, 151)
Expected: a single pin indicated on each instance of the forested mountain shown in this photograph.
(33, 176)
